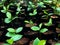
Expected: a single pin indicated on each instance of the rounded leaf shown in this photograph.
(19, 29)
(7, 20)
(36, 41)
(11, 30)
(8, 14)
(35, 28)
(43, 30)
(42, 42)
(9, 34)
(16, 37)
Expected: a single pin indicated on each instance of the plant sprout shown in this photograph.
(39, 42)
(34, 13)
(13, 33)
(49, 23)
(36, 28)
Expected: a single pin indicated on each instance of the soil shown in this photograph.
(28, 35)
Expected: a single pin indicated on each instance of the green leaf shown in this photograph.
(43, 30)
(31, 14)
(4, 7)
(11, 30)
(3, 11)
(35, 28)
(19, 29)
(57, 44)
(10, 41)
(31, 22)
(16, 37)
(41, 4)
(18, 9)
(40, 25)
(5, 44)
(9, 34)
(7, 20)
(26, 21)
(36, 41)
(35, 12)
(49, 23)
(42, 42)
(8, 14)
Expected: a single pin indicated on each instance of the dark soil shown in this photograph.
(28, 35)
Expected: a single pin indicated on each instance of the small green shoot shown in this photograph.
(49, 23)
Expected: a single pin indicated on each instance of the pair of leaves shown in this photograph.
(41, 4)
(14, 38)
(12, 33)
(17, 30)
(39, 42)
(49, 23)
(34, 13)
(36, 28)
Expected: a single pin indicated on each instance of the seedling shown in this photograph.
(39, 42)
(13, 33)
(34, 13)
(29, 22)
(36, 28)
(49, 23)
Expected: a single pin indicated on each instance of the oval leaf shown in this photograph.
(19, 29)
(43, 30)
(42, 42)
(35, 28)
(11, 30)
(9, 34)
(16, 37)
(7, 20)
(36, 41)
(10, 41)
(8, 14)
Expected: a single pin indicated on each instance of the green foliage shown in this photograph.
(34, 13)
(13, 34)
(35, 28)
(19, 29)
(49, 23)
(16, 37)
(8, 15)
(7, 20)
(43, 30)
(11, 30)
(39, 42)
(10, 41)
(57, 44)
(41, 4)
(40, 25)
(42, 42)
(36, 41)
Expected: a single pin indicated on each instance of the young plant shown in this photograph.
(39, 42)
(49, 23)
(29, 22)
(34, 13)
(13, 34)
(36, 28)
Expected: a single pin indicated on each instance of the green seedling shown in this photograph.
(29, 22)
(13, 34)
(36, 28)
(49, 23)
(34, 13)
(39, 42)
(41, 4)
